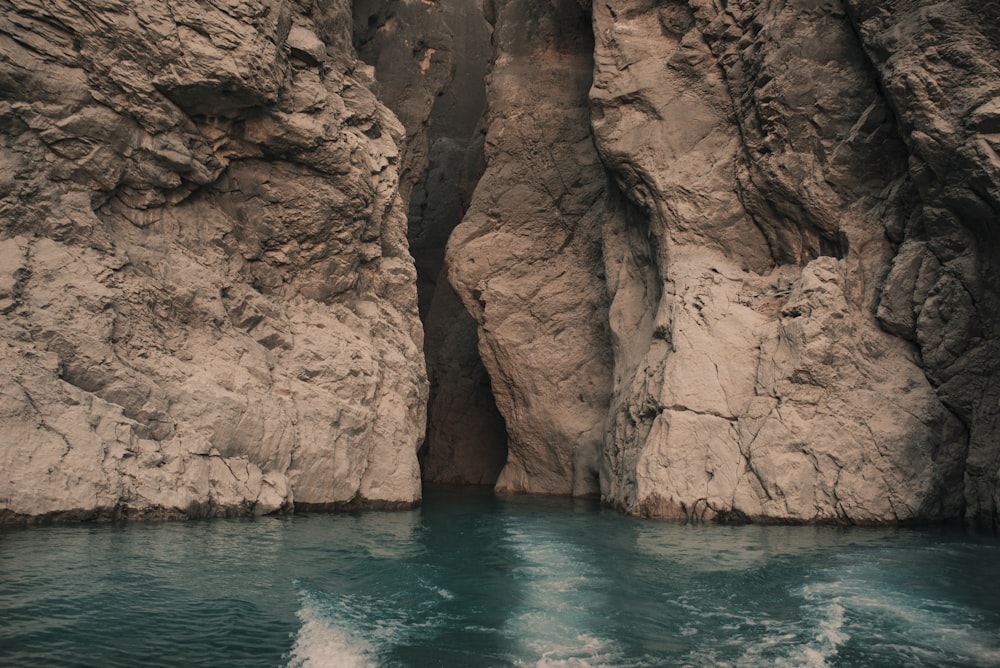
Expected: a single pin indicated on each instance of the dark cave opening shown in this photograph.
(466, 441)
(440, 97)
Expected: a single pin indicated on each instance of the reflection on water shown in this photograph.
(476, 580)
(732, 548)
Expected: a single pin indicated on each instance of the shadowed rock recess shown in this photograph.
(716, 260)
(430, 59)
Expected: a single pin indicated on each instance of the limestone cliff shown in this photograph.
(208, 303)
(731, 260)
(787, 237)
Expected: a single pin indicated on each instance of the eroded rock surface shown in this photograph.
(526, 261)
(798, 246)
(937, 62)
(732, 260)
(761, 384)
(208, 306)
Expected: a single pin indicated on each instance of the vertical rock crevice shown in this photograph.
(431, 60)
(466, 435)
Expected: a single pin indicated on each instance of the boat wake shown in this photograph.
(325, 639)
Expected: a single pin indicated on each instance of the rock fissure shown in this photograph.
(708, 262)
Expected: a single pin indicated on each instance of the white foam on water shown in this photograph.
(322, 641)
(557, 627)
(441, 592)
(928, 630)
(810, 640)
(354, 631)
(937, 631)
(584, 651)
(827, 636)
(892, 624)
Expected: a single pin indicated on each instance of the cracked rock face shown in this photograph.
(526, 260)
(757, 382)
(938, 66)
(789, 232)
(208, 306)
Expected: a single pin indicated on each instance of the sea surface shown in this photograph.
(472, 579)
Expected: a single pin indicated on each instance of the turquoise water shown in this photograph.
(475, 580)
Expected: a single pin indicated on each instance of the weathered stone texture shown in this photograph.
(526, 259)
(208, 305)
(937, 62)
(732, 260)
(767, 389)
(799, 248)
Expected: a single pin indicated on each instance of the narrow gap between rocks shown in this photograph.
(466, 439)
(440, 96)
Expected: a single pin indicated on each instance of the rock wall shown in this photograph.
(526, 260)
(730, 260)
(208, 304)
(767, 388)
(786, 238)
(937, 64)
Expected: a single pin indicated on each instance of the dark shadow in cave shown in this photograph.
(466, 440)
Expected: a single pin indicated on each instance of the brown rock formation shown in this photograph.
(937, 63)
(526, 259)
(767, 388)
(722, 259)
(208, 306)
(801, 262)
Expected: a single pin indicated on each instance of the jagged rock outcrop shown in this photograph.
(799, 247)
(208, 305)
(795, 391)
(526, 260)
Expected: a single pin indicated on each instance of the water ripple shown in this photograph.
(474, 581)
